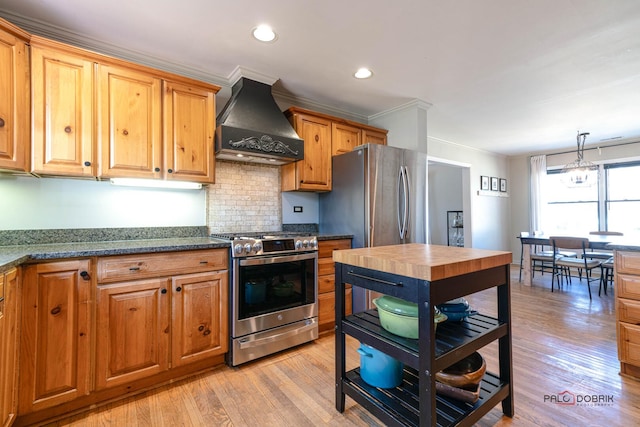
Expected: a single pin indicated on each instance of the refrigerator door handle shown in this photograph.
(405, 189)
(401, 215)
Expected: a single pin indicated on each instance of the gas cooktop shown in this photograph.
(244, 244)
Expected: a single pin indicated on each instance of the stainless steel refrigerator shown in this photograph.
(379, 195)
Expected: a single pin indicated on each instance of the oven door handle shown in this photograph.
(278, 259)
(310, 324)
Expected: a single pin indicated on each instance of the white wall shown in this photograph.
(245, 197)
(486, 218)
(28, 203)
(445, 194)
(310, 208)
(407, 125)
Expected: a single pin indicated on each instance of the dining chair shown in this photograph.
(541, 260)
(563, 265)
(606, 275)
(602, 254)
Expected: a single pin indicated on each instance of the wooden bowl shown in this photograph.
(468, 372)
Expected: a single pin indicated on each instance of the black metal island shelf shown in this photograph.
(427, 275)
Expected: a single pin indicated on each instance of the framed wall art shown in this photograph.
(484, 182)
(503, 185)
(494, 183)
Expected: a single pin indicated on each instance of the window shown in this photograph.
(612, 205)
(570, 210)
(622, 203)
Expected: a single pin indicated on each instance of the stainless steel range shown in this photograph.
(273, 293)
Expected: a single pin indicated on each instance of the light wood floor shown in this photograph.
(561, 342)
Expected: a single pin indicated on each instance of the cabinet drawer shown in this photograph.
(128, 267)
(627, 286)
(326, 247)
(629, 343)
(326, 267)
(627, 262)
(327, 307)
(328, 284)
(628, 311)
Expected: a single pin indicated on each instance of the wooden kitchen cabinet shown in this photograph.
(344, 138)
(55, 356)
(180, 298)
(15, 129)
(189, 129)
(62, 81)
(324, 136)
(151, 127)
(129, 122)
(627, 283)
(9, 325)
(326, 283)
(313, 173)
(374, 136)
(199, 313)
(147, 124)
(132, 331)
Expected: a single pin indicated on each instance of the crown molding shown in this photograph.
(47, 30)
(240, 72)
(413, 104)
(310, 104)
(53, 32)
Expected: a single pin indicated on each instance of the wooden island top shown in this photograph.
(422, 261)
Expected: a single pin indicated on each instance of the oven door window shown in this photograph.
(275, 286)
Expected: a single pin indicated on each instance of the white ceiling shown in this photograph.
(508, 76)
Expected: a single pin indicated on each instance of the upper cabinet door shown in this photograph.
(374, 136)
(14, 100)
(344, 138)
(189, 125)
(314, 172)
(129, 123)
(62, 113)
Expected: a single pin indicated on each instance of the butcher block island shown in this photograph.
(426, 275)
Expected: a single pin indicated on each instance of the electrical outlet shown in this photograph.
(297, 209)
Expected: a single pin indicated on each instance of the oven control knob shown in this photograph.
(305, 243)
(238, 249)
(257, 246)
(314, 243)
(298, 244)
(247, 248)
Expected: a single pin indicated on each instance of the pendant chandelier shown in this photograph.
(580, 173)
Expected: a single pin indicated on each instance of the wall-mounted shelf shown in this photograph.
(492, 193)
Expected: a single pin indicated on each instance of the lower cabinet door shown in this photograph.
(199, 316)
(8, 346)
(133, 329)
(55, 334)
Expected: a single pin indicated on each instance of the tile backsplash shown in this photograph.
(245, 196)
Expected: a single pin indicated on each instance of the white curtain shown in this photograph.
(538, 200)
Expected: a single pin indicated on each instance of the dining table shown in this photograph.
(596, 241)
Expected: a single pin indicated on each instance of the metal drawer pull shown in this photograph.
(204, 262)
(134, 268)
(386, 282)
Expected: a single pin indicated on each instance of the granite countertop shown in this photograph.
(20, 246)
(15, 255)
(625, 243)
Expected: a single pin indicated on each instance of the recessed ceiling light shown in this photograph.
(264, 33)
(363, 73)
